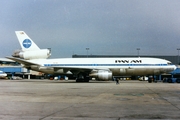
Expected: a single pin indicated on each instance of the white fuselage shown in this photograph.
(118, 66)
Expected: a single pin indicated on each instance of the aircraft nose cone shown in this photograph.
(175, 67)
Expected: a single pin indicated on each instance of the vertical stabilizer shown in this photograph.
(25, 41)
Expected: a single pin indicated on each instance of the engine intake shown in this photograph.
(102, 75)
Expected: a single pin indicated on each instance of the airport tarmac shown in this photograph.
(103, 100)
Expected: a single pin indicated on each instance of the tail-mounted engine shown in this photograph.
(101, 75)
(35, 54)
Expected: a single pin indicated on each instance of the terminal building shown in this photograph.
(12, 69)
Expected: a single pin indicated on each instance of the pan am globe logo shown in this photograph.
(27, 43)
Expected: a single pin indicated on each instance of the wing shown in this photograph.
(29, 64)
(54, 69)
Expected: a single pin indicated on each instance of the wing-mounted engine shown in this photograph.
(33, 54)
(101, 75)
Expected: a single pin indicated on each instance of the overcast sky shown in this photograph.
(107, 27)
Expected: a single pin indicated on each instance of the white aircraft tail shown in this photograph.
(26, 42)
(29, 49)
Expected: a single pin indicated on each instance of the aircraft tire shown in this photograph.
(178, 80)
(149, 81)
(82, 80)
(169, 80)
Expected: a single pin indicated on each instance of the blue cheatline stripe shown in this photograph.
(105, 64)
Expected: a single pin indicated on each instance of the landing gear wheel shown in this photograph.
(82, 78)
(178, 80)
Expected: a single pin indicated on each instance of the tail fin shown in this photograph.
(25, 41)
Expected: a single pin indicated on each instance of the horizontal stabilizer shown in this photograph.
(22, 61)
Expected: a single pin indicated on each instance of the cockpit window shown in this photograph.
(169, 63)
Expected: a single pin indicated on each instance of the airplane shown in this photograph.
(34, 58)
(2, 74)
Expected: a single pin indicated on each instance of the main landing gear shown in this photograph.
(82, 77)
(152, 79)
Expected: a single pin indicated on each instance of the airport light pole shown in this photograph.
(138, 49)
(87, 51)
(178, 55)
